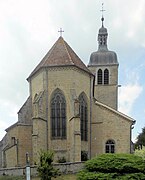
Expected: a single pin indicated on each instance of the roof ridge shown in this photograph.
(49, 52)
(67, 51)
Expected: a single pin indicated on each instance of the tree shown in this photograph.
(140, 152)
(45, 168)
(113, 166)
(140, 139)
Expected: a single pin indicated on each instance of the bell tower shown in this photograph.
(104, 65)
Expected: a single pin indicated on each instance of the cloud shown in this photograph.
(8, 112)
(129, 93)
(127, 97)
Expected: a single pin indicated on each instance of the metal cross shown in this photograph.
(61, 31)
(102, 9)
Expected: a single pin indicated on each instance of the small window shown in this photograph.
(99, 76)
(106, 76)
(110, 146)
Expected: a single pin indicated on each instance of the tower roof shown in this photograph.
(103, 56)
(61, 54)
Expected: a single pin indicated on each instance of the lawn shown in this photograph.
(63, 177)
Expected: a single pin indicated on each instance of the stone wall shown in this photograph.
(65, 168)
(110, 124)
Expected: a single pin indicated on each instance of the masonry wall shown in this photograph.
(24, 144)
(109, 125)
(18, 143)
(1, 147)
(72, 82)
(107, 93)
(64, 168)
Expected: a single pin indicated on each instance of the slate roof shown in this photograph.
(103, 56)
(61, 54)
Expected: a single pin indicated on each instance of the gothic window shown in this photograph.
(110, 146)
(99, 76)
(83, 118)
(106, 76)
(58, 115)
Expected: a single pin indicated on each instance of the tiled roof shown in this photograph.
(61, 54)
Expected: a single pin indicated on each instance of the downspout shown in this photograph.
(131, 127)
(46, 108)
(91, 91)
(130, 138)
(17, 151)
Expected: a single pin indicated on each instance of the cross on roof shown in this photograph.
(61, 31)
(102, 9)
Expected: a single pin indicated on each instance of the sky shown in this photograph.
(29, 28)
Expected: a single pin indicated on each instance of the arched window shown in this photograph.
(58, 115)
(110, 146)
(106, 76)
(83, 118)
(99, 76)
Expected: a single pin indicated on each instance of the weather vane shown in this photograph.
(102, 10)
(61, 31)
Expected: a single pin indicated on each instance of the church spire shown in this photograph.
(102, 36)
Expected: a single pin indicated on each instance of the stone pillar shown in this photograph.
(75, 135)
(38, 137)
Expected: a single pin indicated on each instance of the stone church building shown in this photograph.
(71, 109)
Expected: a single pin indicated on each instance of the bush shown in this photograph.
(114, 166)
(140, 152)
(45, 168)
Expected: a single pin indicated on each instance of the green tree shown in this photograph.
(140, 139)
(45, 168)
(113, 166)
(140, 152)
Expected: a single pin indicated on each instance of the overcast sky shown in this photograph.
(28, 29)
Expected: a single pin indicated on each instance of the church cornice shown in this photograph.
(58, 68)
(103, 65)
(16, 124)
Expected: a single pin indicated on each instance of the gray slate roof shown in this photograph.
(103, 56)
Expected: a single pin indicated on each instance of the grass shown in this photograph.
(63, 177)
(11, 178)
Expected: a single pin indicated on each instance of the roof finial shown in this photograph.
(61, 31)
(102, 19)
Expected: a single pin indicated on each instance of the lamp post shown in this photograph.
(27, 166)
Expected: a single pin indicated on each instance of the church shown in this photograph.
(72, 109)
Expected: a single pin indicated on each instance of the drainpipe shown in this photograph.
(17, 150)
(131, 127)
(47, 109)
(91, 91)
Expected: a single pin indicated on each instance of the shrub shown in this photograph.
(140, 152)
(45, 168)
(113, 166)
